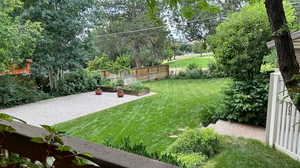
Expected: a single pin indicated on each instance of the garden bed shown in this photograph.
(127, 90)
(109, 88)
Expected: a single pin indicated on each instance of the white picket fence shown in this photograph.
(283, 120)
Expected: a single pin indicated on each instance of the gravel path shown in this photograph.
(57, 110)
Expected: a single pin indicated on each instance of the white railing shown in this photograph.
(283, 120)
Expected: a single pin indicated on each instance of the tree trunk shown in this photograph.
(288, 64)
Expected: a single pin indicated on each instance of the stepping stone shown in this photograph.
(182, 129)
(239, 130)
(174, 136)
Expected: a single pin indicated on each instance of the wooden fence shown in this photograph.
(283, 120)
(20, 70)
(19, 142)
(140, 74)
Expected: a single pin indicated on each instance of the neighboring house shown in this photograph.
(296, 41)
(20, 70)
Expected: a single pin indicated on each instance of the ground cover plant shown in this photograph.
(202, 62)
(177, 104)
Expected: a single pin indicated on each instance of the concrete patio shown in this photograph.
(57, 110)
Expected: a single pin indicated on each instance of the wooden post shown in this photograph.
(148, 69)
(272, 116)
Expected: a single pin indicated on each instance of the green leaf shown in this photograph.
(64, 148)
(49, 128)
(5, 128)
(6, 117)
(39, 140)
(87, 155)
(79, 161)
(188, 12)
(58, 139)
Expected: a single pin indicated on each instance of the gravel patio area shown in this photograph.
(57, 110)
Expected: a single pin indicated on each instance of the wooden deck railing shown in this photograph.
(19, 142)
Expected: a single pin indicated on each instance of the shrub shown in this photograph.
(120, 82)
(78, 82)
(246, 101)
(136, 86)
(192, 66)
(200, 140)
(140, 149)
(239, 43)
(103, 63)
(17, 90)
(216, 71)
(212, 113)
(199, 74)
(192, 74)
(192, 160)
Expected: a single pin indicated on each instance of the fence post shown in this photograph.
(272, 115)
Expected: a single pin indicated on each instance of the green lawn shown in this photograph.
(245, 153)
(178, 104)
(200, 61)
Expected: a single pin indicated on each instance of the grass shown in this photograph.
(151, 120)
(245, 153)
(202, 62)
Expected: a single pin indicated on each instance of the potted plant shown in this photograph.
(98, 91)
(120, 92)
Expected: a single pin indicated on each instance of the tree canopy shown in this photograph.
(144, 47)
(62, 46)
(18, 38)
(240, 42)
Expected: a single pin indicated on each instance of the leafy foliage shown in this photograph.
(194, 72)
(199, 140)
(63, 45)
(18, 38)
(240, 42)
(146, 48)
(192, 160)
(135, 86)
(15, 160)
(246, 101)
(103, 63)
(141, 149)
(78, 82)
(17, 90)
(270, 62)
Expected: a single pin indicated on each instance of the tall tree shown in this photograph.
(18, 38)
(240, 42)
(146, 47)
(198, 18)
(288, 64)
(66, 25)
